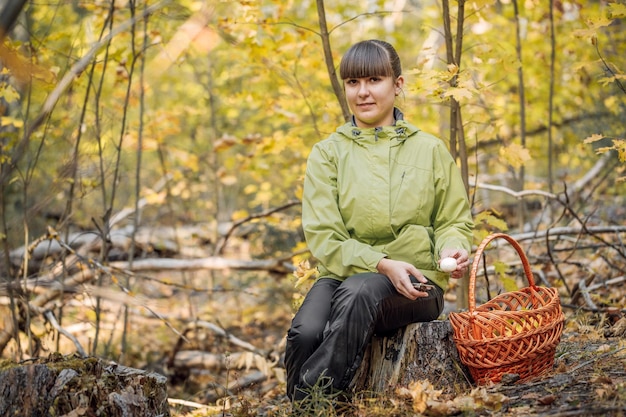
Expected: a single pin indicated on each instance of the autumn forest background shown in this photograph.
(152, 154)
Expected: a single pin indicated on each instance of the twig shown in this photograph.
(612, 281)
(229, 337)
(220, 246)
(53, 321)
(582, 286)
(589, 362)
(590, 310)
(175, 401)
(517, 194)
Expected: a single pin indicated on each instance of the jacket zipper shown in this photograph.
(395, 201)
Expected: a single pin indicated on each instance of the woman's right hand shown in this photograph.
(398, 273)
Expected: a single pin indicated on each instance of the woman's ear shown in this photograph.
(399, 84)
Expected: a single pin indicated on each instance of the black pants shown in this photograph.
(334, 325)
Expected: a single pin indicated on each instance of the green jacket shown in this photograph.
(390, 191)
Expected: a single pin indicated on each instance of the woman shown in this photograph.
(383, 203)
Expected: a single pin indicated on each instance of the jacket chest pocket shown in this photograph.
(413, 196)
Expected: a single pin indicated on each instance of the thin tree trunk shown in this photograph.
(551, 98)
(328, 58)
(8, 15)
(522, 105)
(458, 148)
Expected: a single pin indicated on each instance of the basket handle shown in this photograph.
(478, 255)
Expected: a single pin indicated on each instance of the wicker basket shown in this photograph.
(516, 332)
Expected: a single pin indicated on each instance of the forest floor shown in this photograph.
(588, 379)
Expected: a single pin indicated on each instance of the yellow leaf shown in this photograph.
(419, 395)
(489, 218)
(11, 121)
(589, 34)
(308, 274)
(228, 180)
(303, 272)
(515, 155)
(599, 22)
(8, 93)
(239, 215)
(155, 198)
(616, 11)
(223, 143)
(593, 138)
(458, 93)
(509, 283)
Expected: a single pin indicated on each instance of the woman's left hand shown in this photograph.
(399, 273)
(462, 261)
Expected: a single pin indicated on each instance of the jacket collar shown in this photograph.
(397, 115)
(400, 130)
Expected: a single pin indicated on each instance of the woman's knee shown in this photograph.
(304, 335)
(369, 287)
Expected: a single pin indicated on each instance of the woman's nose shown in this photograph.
(363, 90)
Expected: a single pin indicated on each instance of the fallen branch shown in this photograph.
(613, 281)
(560, 231)
(199, 359)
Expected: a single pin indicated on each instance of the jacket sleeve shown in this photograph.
(451, 216)
(324, 228)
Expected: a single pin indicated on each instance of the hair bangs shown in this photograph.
(365, 59)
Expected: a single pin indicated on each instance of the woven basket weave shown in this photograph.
(516, 332)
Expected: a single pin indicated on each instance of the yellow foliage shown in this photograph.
(593, 138)
(239, 215)
(616, 10)
(11, 121)
(515, 155)
(303, 272)
(223, 143)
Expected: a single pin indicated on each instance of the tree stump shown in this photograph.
(419, 351)
(76, 386)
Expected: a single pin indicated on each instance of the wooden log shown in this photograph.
(76, 386)
(419, 351)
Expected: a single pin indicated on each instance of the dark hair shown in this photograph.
(368, 58)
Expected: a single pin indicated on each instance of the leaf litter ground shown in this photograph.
(589, 379)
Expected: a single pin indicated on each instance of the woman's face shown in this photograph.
(372, 99)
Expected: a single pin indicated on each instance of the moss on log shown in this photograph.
(58, 386)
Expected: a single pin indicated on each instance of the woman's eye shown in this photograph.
(374, 79)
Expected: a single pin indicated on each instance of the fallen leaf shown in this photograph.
(602, 379)
(547, 399)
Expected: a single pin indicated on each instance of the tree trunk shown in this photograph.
(75, 386)
(420, 351)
